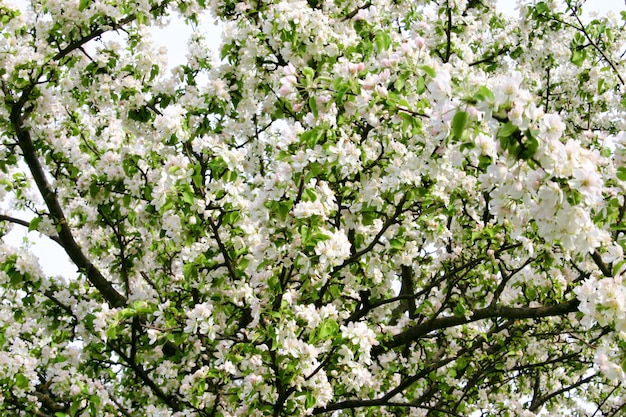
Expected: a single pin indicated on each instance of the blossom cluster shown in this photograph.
(352, 208)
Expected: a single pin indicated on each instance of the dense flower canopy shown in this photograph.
(372, 208)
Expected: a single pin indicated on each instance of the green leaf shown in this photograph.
(382, 41)
(529, 146)
(154, 71)
(428, 70)
(188, 197)
(230, 217)
(368, 217)
(506, 130)
(396, 243)
(126, 313)
(466, 146)
(140, 115)
(542, 7)
(28, 300)
(484, 94)
(15, 277)
(402, 77)
(225, 50)
(621, 173)
(21, 381)
(341, 93)
(95, 399)
(421, 85)
(327, 328)
(309, 73)
(142, 307)
(283, 208)
(574, 197)
(459, 121)
(111, 332)
(83, 5)
(311, 137)
(313, 105)
(310, 400)
(618, 267)
(460, 309)
(484, 161)
(578, 56)
(34, 224)
(309, 195)
(517, 52)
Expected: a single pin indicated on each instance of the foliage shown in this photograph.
(373, 208)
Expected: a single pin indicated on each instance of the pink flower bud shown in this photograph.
(289, 69)
(355, 68)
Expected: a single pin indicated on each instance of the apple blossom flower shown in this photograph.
(552, 127)
(334, 250)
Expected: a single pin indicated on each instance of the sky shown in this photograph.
(52, 258)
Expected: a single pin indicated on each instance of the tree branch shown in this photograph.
(448, 33)
(596, 47)
(606, 271)
(24, 223)
(541, 400)
(66, 238)
(99, 32)
(513, 313)
(139, 370)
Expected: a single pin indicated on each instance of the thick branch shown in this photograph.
(114, 298)
(66, 239)
(512, 313)
(4, 218)
(433, 363)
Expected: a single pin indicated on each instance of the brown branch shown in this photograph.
(448, 33)
(4, 218)
(390, 220)
(353, 258)
(377, 402)
(605, 400)
(434, 362)
(412, 112)
(489, 58)
(95, 277)
(66, 238)
(223, 250)
(24, 223)
(606, 271)
(356, 11)
(119, 406)
(596, 47)
(99, 32)
(139, 370)
(512, 313)
(542, 400)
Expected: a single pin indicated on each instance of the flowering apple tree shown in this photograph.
(353, 208)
